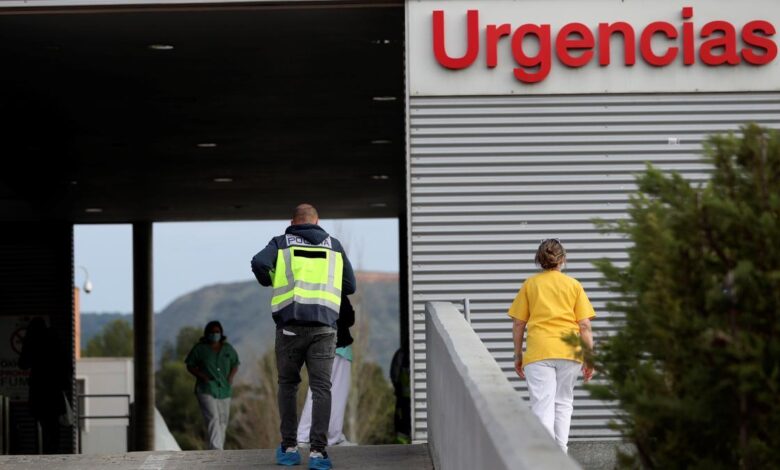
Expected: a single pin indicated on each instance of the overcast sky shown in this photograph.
(195, 254)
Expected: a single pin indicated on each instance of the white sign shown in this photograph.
(503, 47)
(13, 380)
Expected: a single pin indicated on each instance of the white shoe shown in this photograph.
(345, 443)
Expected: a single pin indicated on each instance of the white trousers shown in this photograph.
(551, 386)
(340, 378)
(215, 413)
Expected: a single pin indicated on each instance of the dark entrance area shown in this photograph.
(188, 112)
(208, 113)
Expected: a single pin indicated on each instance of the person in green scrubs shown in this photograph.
(214, 363)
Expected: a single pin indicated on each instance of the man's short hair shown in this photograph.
(305, 214)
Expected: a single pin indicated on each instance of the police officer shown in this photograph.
(309, 272)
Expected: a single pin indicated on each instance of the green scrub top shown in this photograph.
(345, 352)
(216, 364)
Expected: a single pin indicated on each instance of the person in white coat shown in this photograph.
(341, 379)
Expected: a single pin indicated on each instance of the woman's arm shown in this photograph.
(232, 374)
(199, 374)
(586, 333)
(518, 331)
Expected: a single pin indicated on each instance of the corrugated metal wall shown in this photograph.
(492, 176)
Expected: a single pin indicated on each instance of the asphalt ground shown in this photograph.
(405, 457)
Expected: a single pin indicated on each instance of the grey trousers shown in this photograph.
(314, 346)
(216, 412)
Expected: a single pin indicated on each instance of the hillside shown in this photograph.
(244, 309)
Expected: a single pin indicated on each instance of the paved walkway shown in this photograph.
(411, 457)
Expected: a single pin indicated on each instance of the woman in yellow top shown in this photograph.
(552, 306)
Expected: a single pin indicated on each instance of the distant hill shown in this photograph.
(244, 309)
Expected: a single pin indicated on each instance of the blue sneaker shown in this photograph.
(288, 457)
(319, 461)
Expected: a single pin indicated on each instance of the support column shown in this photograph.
(143, 338)
(404, 425)
(403, 282)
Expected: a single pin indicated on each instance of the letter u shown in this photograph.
(440, 48)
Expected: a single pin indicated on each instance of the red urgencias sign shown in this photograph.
(576, 44)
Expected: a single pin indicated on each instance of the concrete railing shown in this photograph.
(476, 419)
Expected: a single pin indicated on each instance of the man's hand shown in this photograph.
(587, 373)
(519, 367)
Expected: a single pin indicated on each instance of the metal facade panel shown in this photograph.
(492, 176)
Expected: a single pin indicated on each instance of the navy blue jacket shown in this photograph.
(265, 262)
(346, 320)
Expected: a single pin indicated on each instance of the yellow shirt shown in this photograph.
(551, 303)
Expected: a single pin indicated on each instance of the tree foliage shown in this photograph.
(254, 417)
(371, 406)
(696, 365)
(369, 415)
(115, 340)
(256, 420)
(368, 419)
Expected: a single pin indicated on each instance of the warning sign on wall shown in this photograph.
(13, 380)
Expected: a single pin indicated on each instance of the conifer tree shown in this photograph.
(695, 366)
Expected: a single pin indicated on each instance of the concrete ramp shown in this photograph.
(406, 457)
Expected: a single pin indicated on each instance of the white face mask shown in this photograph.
(214, 337)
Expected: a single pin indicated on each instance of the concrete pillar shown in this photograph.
(143, 338)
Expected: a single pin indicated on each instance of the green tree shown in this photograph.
(174, 392)
(256, 421)
(115, 340)
(369, 416)
(696, 365)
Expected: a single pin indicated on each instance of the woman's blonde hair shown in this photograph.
(550, 254)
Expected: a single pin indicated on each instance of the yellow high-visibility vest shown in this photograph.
(307, 275)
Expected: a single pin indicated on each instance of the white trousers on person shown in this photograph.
(551, 386)
(216, 412)
(340, 378)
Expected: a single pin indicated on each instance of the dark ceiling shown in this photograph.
(288, 104)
